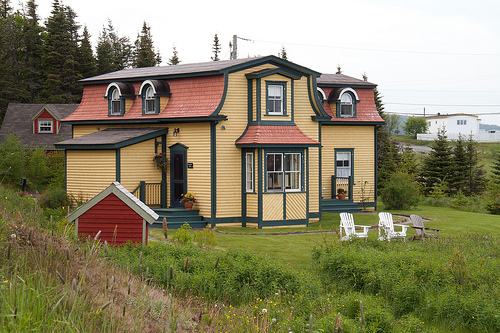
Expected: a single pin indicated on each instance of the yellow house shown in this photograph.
(259, 141)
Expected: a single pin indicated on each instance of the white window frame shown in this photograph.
(461, 122)
(45, 126)
(275, 94)
(343, 160)
(115, 102)
(283, 176)
(346, 105)
(249, 173)
(149, 101)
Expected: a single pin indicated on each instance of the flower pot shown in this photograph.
(188, 205)
(341, 196)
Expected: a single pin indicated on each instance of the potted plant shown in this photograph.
(341, 193)
(188, 200)
(161, 161)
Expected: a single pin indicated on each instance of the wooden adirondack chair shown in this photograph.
(386, 228)
(347, 224)
(420, 229)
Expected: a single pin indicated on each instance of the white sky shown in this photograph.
(443, 55)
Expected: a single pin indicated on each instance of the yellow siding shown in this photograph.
(229, 171)
(79, 130)
(137, 165)
(196, 136)
(295, 206)
(273, 207)
(361, 138)
(252, 205)
(91, 172)
(288, 98)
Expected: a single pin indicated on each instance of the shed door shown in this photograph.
(179, 177)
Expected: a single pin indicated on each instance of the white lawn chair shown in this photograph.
(347, 224)
(386, 228)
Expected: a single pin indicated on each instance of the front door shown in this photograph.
(179, 177)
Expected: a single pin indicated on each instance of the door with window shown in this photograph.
(343, 172)
(178, 175)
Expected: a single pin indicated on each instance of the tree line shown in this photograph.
(42, 62)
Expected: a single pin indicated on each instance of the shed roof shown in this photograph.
(123, 194)
(340, 80)
(112, 138)
(18, 120)
(275, 135)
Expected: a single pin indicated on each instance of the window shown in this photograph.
(343, 164)
(45, 126)
(115, 102)
(249, 172)
(292, 172)
(284, 172)
(346, 105)
(275, 98)
(149, 100)
(462, 122)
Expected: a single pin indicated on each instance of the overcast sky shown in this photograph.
(441, 55)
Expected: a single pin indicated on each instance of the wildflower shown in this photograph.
(273, 320)
(264, 310)
(13, 236)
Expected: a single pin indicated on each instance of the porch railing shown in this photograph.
(149, 193)
(341, 182)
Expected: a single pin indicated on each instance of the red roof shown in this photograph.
(262, 134)
(191, 97)
(366, 111)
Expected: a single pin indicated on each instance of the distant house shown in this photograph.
(260, 141)
(37, 125)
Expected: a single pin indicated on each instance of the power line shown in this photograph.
(457, 105)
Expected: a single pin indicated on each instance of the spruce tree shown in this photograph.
(282, 53)
(459, 167)
(435, 169)
(86, 57)
(475, 180)
(113, 53)
(496, 168)
(216, 48)
(174, 60)
(144, 53)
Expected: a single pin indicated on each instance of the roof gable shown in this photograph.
(123, 194)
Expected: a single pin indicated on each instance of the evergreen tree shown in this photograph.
(216, 48)
(475, 181)
(458, 176)
(339, 69)
(86, 57)
(60, 56)
(496, 168)
(113, 53)
(282, 53)
(144, 55)
(435, 169)
(174, 60)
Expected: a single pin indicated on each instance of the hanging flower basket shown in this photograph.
(161, 161)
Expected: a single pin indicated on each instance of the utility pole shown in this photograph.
(234, 47)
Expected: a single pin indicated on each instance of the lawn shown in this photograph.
(293, 246)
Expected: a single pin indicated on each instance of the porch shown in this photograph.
(333, 204)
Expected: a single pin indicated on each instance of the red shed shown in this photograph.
(118, 214)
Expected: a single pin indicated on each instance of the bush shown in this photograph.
(400, 192)
(55, 199)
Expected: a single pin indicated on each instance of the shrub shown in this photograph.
(183, 235)
(400, 192)
(55, 199)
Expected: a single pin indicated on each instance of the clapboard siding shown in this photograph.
(296, 206)
(359, 138)
(117, 222)
(91, 172)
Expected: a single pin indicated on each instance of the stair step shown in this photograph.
(176, 217)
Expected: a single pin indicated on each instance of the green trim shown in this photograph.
(375, 138)
(147, 121)
(306, 176)
(290, 73)
(320, 171)
(177, 147)
(282, 146)
(358, 86)
(315, 215)
(117, 145)
(283, 101)
(277, 223)
(351, 123)
(258, 99)
(340, 150)
(292, 99)
(273, 150)
(213, 172)
(249, 101)
(260, 181)
(118, 165)
(313, 99)
(163, 173)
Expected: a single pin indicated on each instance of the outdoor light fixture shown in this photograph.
(176, 131)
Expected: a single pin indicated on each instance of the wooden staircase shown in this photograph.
(340, 206)
(176, 217)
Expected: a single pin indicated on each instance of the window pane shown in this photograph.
(275, 99)
(292, 171)
(249, 172)
(343, 164)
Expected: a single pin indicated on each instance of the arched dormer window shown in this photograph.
(345, 100)
(321, 95)
(116, 94)
(151, 93)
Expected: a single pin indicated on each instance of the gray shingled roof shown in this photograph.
(341, 79)
(162, 71)
(18, 121)
(111, 137)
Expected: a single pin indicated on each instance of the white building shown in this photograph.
(455, 125)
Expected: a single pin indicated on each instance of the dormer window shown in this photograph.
(117, 93)
(276, 102)
(346, 105)
(115, 102)
(154, 95)
(344, 101)
(45, 125)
